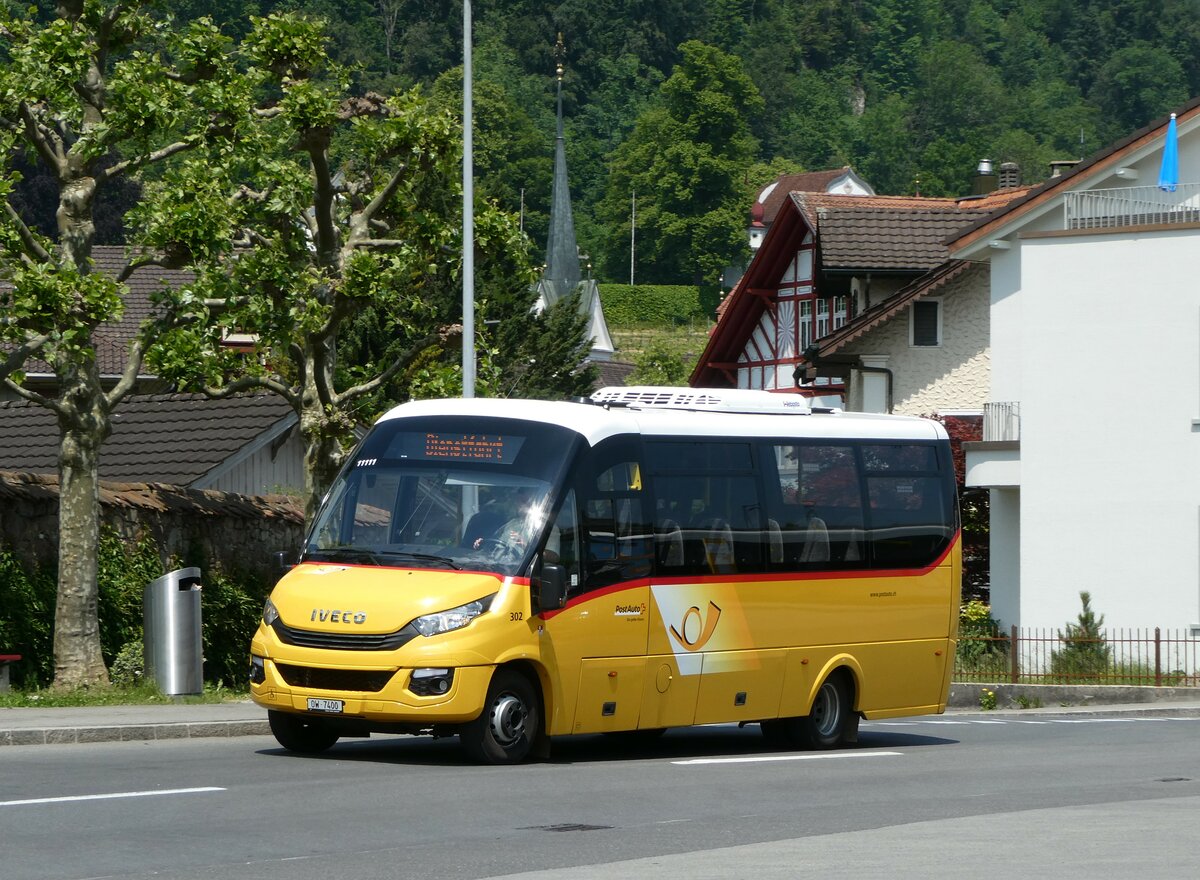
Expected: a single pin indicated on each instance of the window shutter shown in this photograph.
(925, 321)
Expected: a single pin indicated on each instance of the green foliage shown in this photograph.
(1085, 652)
(231, 606)
(633, 305)
(684, 160)
(27, 620)
(982, 649)
(660, 363)
(129, 667)
(987, 700)
(124, 571)
(231, 609)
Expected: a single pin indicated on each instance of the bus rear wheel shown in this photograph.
(298, 733)
(505, 730)
(826, 724)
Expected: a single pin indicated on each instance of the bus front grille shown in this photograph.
(343, 641)
(334, 679)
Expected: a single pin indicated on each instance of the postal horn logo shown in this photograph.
(694, 630)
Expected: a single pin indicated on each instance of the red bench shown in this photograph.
(5, 659)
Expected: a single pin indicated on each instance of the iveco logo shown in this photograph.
(324, 615)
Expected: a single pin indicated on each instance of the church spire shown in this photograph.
(562, 251)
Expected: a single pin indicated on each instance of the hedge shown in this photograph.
(641, 304)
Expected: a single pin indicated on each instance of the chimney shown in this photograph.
(1010, 175)
(985, 178)
(1058, 166)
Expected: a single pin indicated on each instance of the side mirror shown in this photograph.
(551, 585)
(285, 561)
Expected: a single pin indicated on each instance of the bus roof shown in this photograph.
(740, 414)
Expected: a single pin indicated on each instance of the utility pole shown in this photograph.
(632, 232)
(468, 233)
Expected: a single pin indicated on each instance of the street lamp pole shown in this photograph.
(468, 232)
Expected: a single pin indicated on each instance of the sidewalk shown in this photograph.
(55, 726)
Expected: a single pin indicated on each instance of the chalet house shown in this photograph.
(1094, 467)
(842, 181)
(854, 301)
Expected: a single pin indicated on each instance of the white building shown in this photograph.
(1092, 455)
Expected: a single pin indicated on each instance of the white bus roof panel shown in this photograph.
(597, 422)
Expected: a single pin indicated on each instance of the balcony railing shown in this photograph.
(1001, 421)
(1131, 206)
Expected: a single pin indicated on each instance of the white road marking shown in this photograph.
(763, 759)
(106, 797)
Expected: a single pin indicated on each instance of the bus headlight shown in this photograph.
(455, 618)
(270, 612)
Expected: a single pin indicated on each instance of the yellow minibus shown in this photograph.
(509, 571)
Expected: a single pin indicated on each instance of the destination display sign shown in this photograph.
(456, 446)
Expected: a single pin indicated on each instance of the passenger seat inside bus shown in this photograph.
(670, 544)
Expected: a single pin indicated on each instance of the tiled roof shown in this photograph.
(159, 497)
(156, 438)
(610, 373)
(882, 232)
(808, 181)
(112, 339)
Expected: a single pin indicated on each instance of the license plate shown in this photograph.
(334, 707)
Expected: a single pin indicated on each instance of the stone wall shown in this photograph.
(239, 533)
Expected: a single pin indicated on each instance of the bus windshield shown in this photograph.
(444, 493)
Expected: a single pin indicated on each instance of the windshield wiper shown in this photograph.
(424, 557)
(338, 554)
(378, 557)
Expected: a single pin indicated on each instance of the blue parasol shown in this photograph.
(1168, 176)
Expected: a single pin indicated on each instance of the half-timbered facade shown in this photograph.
(825, 259)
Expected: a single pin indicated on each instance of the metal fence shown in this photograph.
(1155, 657)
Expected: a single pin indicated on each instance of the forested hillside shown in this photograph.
(693, 104)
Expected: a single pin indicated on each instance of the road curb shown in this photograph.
(37, 736)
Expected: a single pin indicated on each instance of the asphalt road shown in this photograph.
(1053, 796)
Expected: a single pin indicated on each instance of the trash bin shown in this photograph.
(171, 635)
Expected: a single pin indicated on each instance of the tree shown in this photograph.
(1085, 652)
(97, 93)
(685, 161)
(1135, 85)
(344, 205)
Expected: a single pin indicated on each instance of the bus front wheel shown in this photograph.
(297, 733)
(505, 730)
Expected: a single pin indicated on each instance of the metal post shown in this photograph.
(632, 231)
(468, 234)
(1157, 657)
(1015, 669)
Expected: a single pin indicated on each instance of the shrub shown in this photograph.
(129, 669)
(27, 621)
(123, 573)
(231, 610)
(633, 305)
(1085, 652)
(981, 648)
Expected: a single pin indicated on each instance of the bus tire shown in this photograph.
(299, 733)
(505, 731)
(825, 725)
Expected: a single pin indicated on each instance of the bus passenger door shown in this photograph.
(595, 646)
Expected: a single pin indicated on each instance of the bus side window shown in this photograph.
(818, 507)
(617, 541)
(562, 544)
(910, 520)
